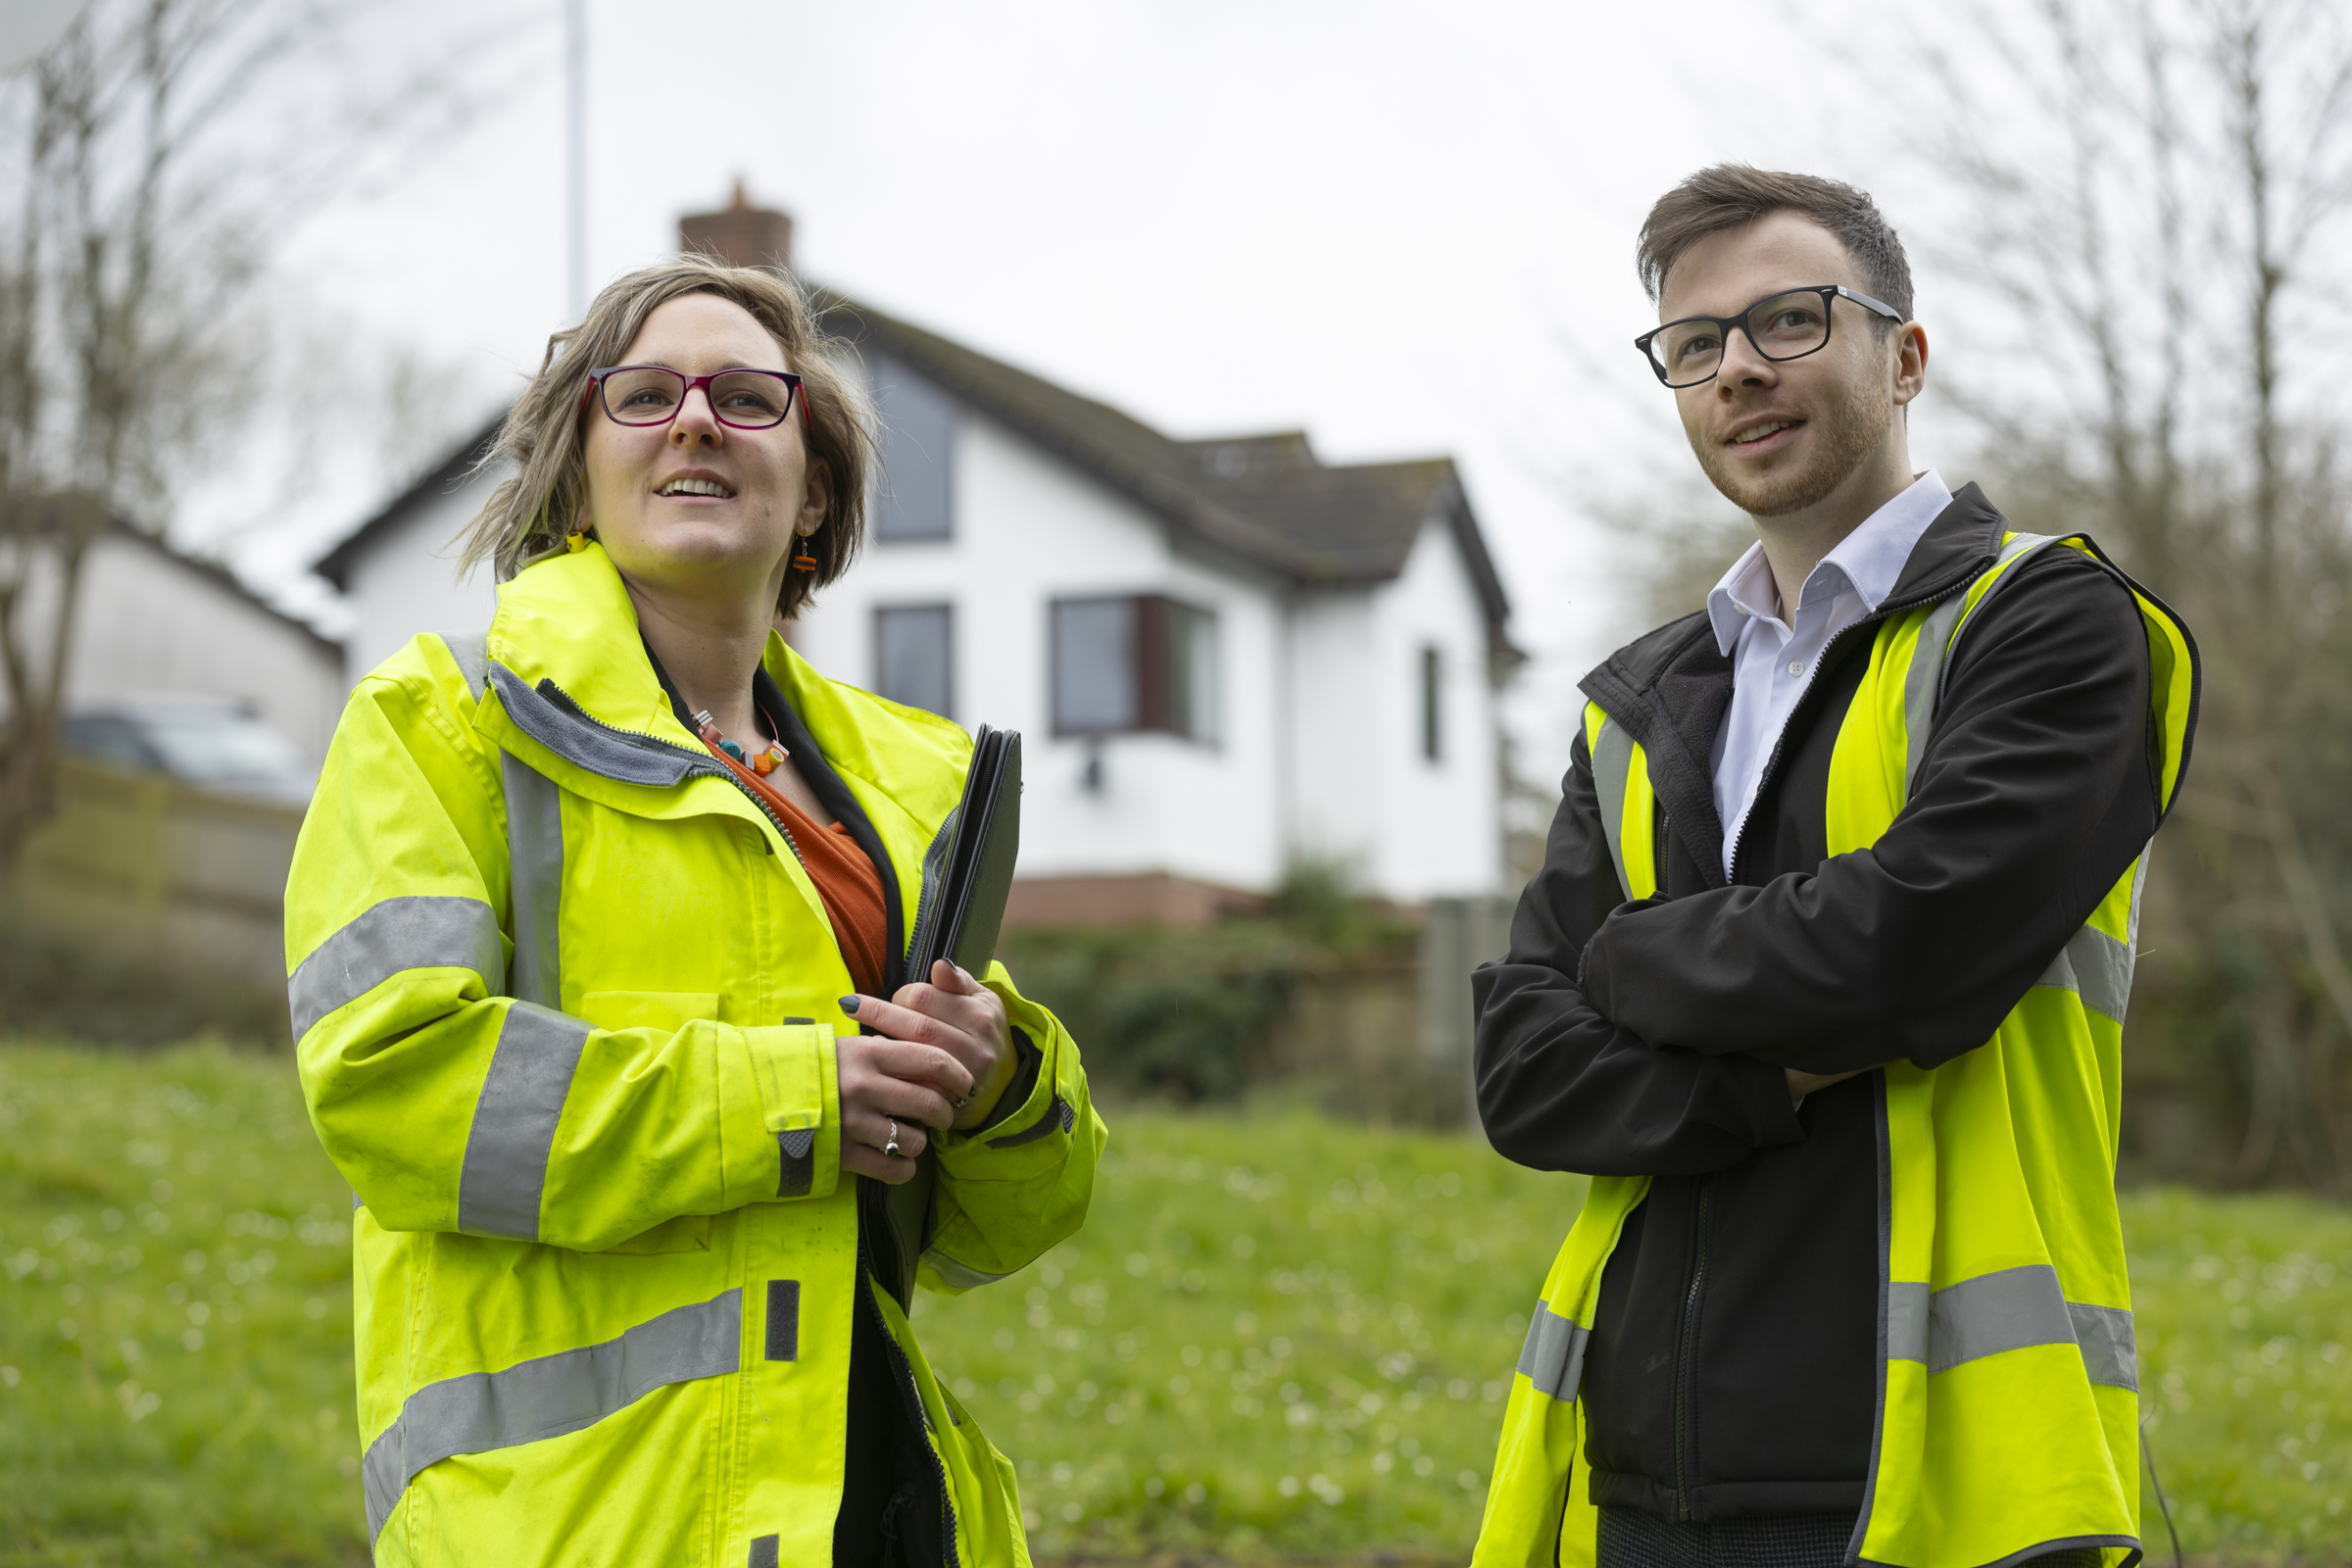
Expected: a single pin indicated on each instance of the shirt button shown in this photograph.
(1796, 667)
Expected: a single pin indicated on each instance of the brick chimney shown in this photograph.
(741, 234)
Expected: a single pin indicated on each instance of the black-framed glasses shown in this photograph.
(1787, 326)
(653, 394)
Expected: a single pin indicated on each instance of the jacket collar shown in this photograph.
(567, 618)
(1670, 688)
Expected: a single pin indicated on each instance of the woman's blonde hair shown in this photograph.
(545, 435)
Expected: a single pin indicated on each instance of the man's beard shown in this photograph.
(1846, 432)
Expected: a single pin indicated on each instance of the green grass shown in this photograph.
(1278, 1336)
(2244, 1311)
(1276, 1333)
(175, 1379)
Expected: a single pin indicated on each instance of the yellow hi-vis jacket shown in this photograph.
(2007, 1420)
(553, 977)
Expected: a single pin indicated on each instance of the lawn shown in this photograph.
(1280, 1335)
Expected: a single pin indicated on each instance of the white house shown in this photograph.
(1223, 655)
(153, 621)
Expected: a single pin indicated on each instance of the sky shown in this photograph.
(1406, 228)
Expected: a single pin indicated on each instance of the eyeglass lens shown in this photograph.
(747, 400)
(1786, 326)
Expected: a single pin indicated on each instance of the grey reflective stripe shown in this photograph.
(514, 1122)
(2014, 552)
(2095, 967)
(471, 651)
(2139, 883)
(2109, 1349)
(389, 939)
(548, 1397)
(1922, 685)
(1553, 1357)
(1995, 1313)
(535, 869)
(1906, 1321)
(961, 1276)
(1612, 769)
(2006, 1310)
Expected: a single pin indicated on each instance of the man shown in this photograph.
(1823, 977)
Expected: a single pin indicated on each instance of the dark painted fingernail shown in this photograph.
(849, 1005)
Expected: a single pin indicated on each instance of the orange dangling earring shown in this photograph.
(803, 561)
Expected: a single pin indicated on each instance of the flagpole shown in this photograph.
(576, 150)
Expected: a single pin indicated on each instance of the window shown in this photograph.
(1433, 698)
(914, 489)
(1133, 664)
(915, 656)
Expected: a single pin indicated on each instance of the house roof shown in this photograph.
(1266, 498)
(335, 565)
(227, 581)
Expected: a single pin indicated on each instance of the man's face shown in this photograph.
(1780, 437)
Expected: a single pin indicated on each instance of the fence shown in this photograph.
(146, 868)
(1390, 1034)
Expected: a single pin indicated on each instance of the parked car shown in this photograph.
(214, 745)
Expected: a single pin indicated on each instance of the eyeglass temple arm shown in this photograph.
(1864, 300)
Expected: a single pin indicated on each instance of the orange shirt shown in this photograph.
(853, 893)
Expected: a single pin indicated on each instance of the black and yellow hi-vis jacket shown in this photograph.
(1905, 1300)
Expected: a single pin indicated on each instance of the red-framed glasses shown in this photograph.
(653, 394)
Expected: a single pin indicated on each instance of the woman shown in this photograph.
(596, 930)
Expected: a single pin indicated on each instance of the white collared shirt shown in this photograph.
(1774, 660)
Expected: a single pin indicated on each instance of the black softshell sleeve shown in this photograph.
(2035, 792)
(1560, 1087)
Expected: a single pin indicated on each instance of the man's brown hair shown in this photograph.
(1730, 195)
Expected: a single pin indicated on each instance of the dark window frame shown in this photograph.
(1152, 655)
(1433, 705)
(945, 610)
(913, 416)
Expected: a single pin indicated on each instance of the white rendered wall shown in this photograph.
(1440, 830)
(1340, 719)
(1030, 529)
(149, 624)
(406, 580)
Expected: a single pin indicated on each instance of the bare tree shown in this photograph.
(2154, 195)
(147, 161)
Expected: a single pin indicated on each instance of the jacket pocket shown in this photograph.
(667, 1011)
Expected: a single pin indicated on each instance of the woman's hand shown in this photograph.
(893, 1089)
(957, 1014)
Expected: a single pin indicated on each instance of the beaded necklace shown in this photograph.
(752, 773)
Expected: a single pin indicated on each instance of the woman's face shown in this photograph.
(696, 506)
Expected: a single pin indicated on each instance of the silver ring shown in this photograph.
(891, 1148)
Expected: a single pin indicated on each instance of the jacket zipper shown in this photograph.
(1685, 1345)
(711, 766)
(1687, 1349)
(915, 1411)
(700, 765)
